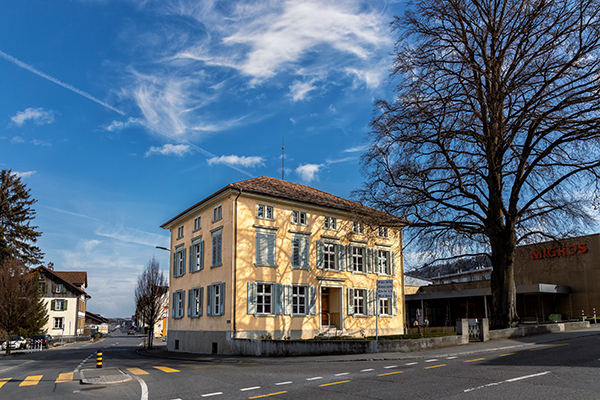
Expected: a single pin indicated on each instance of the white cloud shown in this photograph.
(299, 90)
(134, 236)
(17, 139)
(178, 150)
(120, 125)
(308, 172)
(24, 174)
(38, 115)
(340, 160)
(247, 162)
(356, 149)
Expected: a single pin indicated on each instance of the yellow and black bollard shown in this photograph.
(99, 359)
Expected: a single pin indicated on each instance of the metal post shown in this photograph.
(99, 359)
(582, 315)
(594, 315)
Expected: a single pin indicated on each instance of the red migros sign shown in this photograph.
(552, 252)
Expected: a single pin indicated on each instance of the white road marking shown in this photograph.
(314, 379)
(250, 388)
(450, 358)
(367, 370)
(432, 360)
(144, 387)
(212, 394)
(342, 374)
(507, 381)
(391, 366)
(412, 363)
(284, 383)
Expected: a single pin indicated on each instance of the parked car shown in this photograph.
(45, 340)
(131, 332)
(16, 342)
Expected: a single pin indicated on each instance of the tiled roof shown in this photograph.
(295, 192)
(57, 276)
(77, 278)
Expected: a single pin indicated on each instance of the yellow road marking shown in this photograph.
(477, 359)
(549, 347)
(507, 354)
(391, 373)
(167, 369)
(191, 366)
(266, 395)
(333, 383)
(436, 366)
(31, 380)
(3, 381)
(64, 377)
(137, 371)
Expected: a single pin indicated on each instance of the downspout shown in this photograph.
(234, 269)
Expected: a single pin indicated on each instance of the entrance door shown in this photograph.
(325, 308)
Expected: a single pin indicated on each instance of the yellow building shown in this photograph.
(266, 258)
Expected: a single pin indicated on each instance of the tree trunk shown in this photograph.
(504, 292)
(149, 338)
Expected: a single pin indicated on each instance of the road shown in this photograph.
(567, 369)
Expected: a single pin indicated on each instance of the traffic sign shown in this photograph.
(385, 289)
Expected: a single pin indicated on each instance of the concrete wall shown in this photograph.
(537, 330)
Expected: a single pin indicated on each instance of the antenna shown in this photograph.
(282, 161)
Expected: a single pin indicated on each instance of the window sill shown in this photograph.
(265, 265)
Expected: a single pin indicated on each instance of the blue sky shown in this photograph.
(120, 114)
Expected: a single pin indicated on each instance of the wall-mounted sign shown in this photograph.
(552, 252)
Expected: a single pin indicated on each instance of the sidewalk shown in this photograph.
(160, 351)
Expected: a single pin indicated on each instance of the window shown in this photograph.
(180, 232)
(330, 223)
(359, 301)
(329, 256)
(197, 256)
(179, 262)
(59, 305)
(264, 298)
(217, 213)
(265, 248)
(383, 262)
(197, 223)
(300, 245)
(215, 299)
(357, 259)
(217, 239)
(264, 211)
(59, 323)
(299, 217)
(383, 232)
(299, 299)
(59, 288)
(178, 303)
(195, 302)
(42, 287)
(384, 307)
(358, 227)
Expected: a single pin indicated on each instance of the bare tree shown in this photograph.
(149, 296)
(492, 138)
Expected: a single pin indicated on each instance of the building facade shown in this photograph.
(65, 298)
(266, 258)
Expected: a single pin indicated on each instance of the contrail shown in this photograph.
(51, 79)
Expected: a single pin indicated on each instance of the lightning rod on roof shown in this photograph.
(282, 160)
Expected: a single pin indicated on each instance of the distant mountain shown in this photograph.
(461, 265)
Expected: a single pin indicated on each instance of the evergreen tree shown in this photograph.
(17, 236)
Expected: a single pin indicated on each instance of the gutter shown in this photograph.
(234, 269)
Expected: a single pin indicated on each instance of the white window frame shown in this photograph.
(59, 322)
(217, 213)
(265, 211)
(195, 302)
(385, 307)
(179, 305)
(299, 299)
(59, 288)
(62, 305)
(216, 299)
(264, 298)
(329, 262)
(197, 223)
(179, 262)
(360, 301)
(356, 257)
(384, 266)
(180, 231)
(358, 228)
(330, 223)
(197, 255)
(299, 218)
(383, 232)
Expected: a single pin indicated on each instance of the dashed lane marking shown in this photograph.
(549, 347)
(342, 374)
(212, 394)
(367, 370)
(32, 380)
(391, 373)
(284, 383)
(249, 388)
(432, 360)
(390, 366)
(167, 369)
(412, 363)
(436, 366)
(137, 371)
(507, 381)
(334, 383)
(314, 379)
(476, 359)
(3, 381)
(451, 358)
(267, 395)
(64, 377)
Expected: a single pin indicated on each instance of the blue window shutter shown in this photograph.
(304, 250)
(175, 265)
(200, 295)
(393, 269)
(261, 248)
(287, 295)
(191, 267)
(190, 303)
(202, 254)
(312, 300)
(183, 262)
(173, 305)
(320, 254)
(369, 301)
(271, 249)
(340, 257)
(209, 300)
(278, 299)
(350, 298)
(349, 260)
(296, 252)
(251, 298)
(368, 260)
(182, 303)
(376, 261)
(222, 299)
(394, 303)
(220, 248)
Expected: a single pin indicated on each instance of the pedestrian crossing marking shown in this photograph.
(3, 381)
(32, 380)
(64, 377)
(167, 369)
(137, 371)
